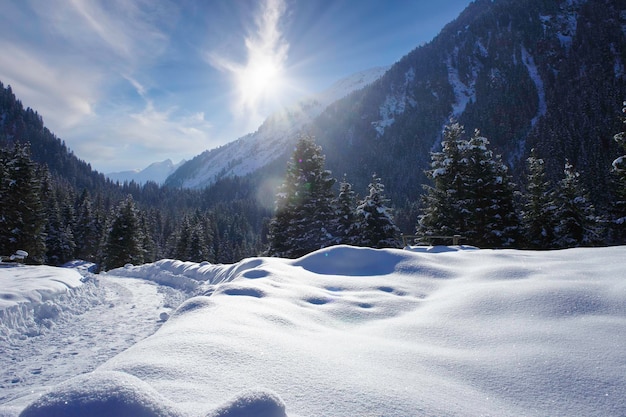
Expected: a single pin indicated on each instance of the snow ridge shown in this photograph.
(32, 308)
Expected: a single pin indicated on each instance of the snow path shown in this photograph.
(129, 312)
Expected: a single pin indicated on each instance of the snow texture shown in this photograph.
(102, 394)
(345, 331)
(33, 298)
(464, 93)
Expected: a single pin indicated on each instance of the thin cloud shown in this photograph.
(64, 100)
(145, 137)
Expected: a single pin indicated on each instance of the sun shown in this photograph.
(261, 80)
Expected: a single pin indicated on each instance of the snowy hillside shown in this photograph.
(156, 172)
(270, 141)
(345, 331)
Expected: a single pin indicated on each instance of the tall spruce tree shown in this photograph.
(87, 229)
(22, 213)
(374, 226)
(345, 215)
(577, 223)
(301, 223)
(124, 238)
(472, 195)
(538, 217)
(440, 214)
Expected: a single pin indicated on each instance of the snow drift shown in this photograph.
(353, 331)
(33, 298)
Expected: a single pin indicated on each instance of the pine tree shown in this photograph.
(60, 245)
(345, 215)
(22, 214)
(472, 194)
(374, 221)
(124, 238)
(577, 222)
(303, 204)
(488, 197)
(538, 215)
(441, 215)
(87, 229)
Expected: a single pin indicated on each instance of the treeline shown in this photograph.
(46, 217)
(54, 206)
(472, 194)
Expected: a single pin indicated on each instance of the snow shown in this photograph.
(395, 104)
(533, 72)
(26, 284)
(345, 331)
(464, 93)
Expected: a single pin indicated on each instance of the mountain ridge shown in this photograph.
(156, 172)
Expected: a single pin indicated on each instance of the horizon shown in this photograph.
(125, 85)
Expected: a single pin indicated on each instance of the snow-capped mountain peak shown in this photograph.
(157, 172)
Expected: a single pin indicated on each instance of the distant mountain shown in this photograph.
(156, 172)
(270, 142)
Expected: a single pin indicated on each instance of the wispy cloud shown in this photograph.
(75, 54)
(143, 137)
(64, 99)
(258, 80)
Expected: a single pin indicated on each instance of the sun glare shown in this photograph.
(260, 80)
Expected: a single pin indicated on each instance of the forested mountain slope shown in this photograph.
(527, 73)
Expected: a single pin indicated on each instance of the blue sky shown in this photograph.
(129, 82)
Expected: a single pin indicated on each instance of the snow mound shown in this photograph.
(257, 403)
(400, 333)
(34, 298)
(102, 394)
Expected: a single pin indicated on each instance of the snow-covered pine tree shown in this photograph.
(303, 204)
(60, 245)
(538, 216)
(472, 193)
(22, 214)
(87, 229)
(124, 238)
(577, 223)
(374, 226)
(440, 215)
(344, 218)
(487, 197)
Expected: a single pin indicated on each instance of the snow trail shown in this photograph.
(128, 313)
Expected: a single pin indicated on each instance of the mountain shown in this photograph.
(270, 142)
(156, 172)
(25, 125)
(528, 73)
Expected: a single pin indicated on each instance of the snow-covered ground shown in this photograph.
(444, 331)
